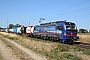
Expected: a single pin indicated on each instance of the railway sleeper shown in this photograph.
(69, 41)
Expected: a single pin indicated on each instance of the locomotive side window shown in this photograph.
(59, 27)
(34, 28)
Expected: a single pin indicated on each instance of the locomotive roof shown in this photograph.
(46, 25)
(54, 23)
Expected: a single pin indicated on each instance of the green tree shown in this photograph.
(17, 25)
(83, 30)
(11, 26)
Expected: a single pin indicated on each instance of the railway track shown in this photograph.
(82, 45)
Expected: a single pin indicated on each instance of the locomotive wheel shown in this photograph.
(53, 39)
(70, 42)
(44, 38)
(60, 41)
(64, 42)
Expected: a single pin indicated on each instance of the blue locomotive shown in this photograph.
(62, 31)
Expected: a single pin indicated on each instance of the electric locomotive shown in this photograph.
(62, 31)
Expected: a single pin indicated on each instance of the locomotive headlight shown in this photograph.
(75, 27)
(65, 33)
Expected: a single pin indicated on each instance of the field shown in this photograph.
(85, 38)
(53, 50)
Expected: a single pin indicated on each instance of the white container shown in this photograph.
(19, 30)
(11, 30)
(29, 29)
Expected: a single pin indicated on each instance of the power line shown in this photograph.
(70, 7)
(71, 12)
(78, 16)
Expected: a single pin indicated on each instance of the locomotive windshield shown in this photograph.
(70, 26)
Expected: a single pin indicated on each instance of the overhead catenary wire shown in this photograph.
(71, 12)
(47, 15)
(78, 16)
(67, 7)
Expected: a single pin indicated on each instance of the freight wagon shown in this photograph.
(4, 29)
(17, 30)
(29, 30)
(62, 31)
(11, 30)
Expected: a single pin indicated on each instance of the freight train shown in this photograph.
(62, 31)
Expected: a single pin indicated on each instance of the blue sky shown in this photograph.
(25, 11)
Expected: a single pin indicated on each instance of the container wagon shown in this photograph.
(11, 30)
(29, 30)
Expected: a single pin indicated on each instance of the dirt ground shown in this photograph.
(8, 54)
(5, 53)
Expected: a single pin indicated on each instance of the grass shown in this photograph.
(71, 57)
(12, 38)
(35, 39)
(52, 50)
(56, 51)
(85, 51)
(78, 49)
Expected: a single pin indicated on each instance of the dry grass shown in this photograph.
(30, 42)
(53, 50)
(11, 35)
(35, 44)
(84, 38)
